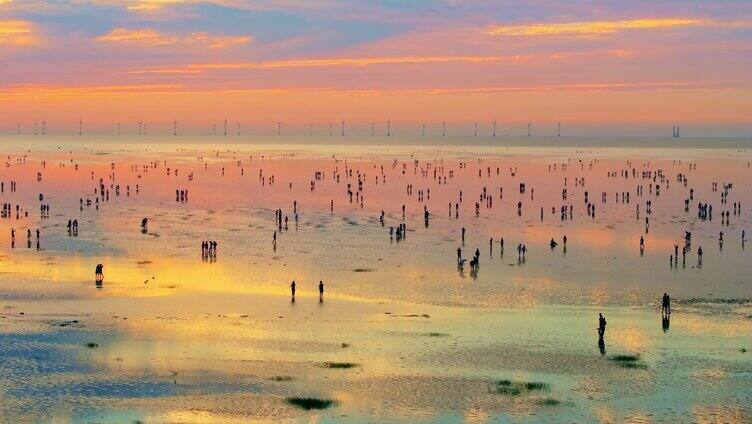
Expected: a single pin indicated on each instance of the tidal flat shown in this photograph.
(403, 332)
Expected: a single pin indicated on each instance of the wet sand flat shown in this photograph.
(402, 334)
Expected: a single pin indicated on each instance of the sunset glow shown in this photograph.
(592, 67)
(593, 28)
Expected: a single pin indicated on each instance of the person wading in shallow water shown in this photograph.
(601, 325)
(321, 291)
(98, 276)
(666, 305)
(292, 290)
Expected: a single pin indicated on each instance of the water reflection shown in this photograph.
(362, 264)
(601, 345)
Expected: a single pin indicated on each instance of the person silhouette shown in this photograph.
(98, 275)
(292, 290)
(321, 291)
(666, 305)
(601, 325)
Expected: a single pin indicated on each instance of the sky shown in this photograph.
(597, 66)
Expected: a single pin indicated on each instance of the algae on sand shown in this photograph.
(338, 365)
(555, 402)
(629, 361)
(309, 403)
(514, 388)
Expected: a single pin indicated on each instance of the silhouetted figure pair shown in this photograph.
(666, 305)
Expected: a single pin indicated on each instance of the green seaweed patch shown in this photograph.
(554, 402)
(281, 378)
(341, 365)
(629, 361)
(635, 365)
(92, 345)
(309, 403)
(625, 358)
(514, 388)
(435, 334)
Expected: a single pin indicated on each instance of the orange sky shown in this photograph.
(259, 62)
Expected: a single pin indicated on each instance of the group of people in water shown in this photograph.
(665, 321)
(73, 228)
(209, 251)
(481, 202)
(293, 288)
(399, 233)
(28, 238)
(7, 211)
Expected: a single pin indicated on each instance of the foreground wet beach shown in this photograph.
(402, 334)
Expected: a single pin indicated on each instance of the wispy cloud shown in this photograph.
(53, 91)
(590, 86)
(17, 33)
(333, 62)
(150, 37)
(217, 41)
(147, 37)
(588, 28)
(148, 6)
(143, 5)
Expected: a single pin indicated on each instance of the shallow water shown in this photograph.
(179, 339)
